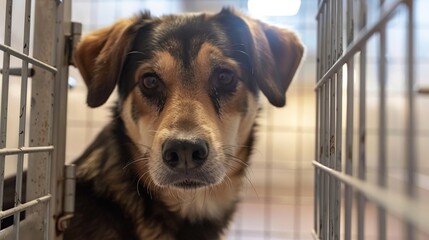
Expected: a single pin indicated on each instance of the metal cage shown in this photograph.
(346, 29)
(37, 208)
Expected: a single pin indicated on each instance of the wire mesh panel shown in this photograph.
(32, 118)
(367, 137)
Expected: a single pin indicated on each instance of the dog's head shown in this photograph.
(188, 88)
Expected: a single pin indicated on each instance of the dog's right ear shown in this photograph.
(99, 56)
(273, 53)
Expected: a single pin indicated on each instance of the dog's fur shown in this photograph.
(182, 78)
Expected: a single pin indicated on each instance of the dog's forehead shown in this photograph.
(184, 35)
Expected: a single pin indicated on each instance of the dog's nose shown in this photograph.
(181, 154)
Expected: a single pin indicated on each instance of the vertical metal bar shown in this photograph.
(328, 35)
(326, 140)
(339, 120)
(321, 157)
(362, 126)
(338, 146)
(318, 150)
(316, 171)
(22, 115)
(322, 127)
(349, 148)
(332, 157)
(332, 148)
(5, 93)
(58, 135)
(382, 127)
(324, 136)
(41, 112)
(325, 159)
(330, 85)
(349, 124)
(410, 160)
(268, 177)
(317, 136)
(327, 116)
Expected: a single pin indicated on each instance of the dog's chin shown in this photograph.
(189, 184)
(186, 181)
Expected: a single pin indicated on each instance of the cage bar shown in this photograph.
(362, 37)
(27, 229)
(22, 116)
(410, 159)
(349, 123)
(406, 205)
(24, 206)
(26, 58)
(399, 205)
(339, 118)
(24, 150)
(4, 101)
(362, 125)
(381, 168)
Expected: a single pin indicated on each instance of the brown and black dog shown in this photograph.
(171, 163)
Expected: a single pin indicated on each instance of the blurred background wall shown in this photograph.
(278, 198)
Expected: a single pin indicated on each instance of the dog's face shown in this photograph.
(188, 89)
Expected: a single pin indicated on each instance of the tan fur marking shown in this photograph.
(90, 168)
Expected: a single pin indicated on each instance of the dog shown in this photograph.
(171, 163)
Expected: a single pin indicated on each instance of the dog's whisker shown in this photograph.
(231, 147)
(237, 146)
(138, 185)
(237, 160)
(251, 184)
(228, 182)
(134, 161)
(135, 52)
(241, 51)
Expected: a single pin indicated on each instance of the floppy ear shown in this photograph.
(275, 53)
(284, 57)
(99, 57)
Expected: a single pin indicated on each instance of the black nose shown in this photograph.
(182, 154)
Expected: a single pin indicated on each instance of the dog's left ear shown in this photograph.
(275, 53)
(100, 55)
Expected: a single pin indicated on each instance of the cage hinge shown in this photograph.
(73, 32)
(69, 197)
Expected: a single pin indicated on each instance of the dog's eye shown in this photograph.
(226, 80)
(149, 81)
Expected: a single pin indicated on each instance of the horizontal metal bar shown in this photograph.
(359, 41)
(24, 206)
(31, 60)
(18, 72)
(409, 209)
(21, 150)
